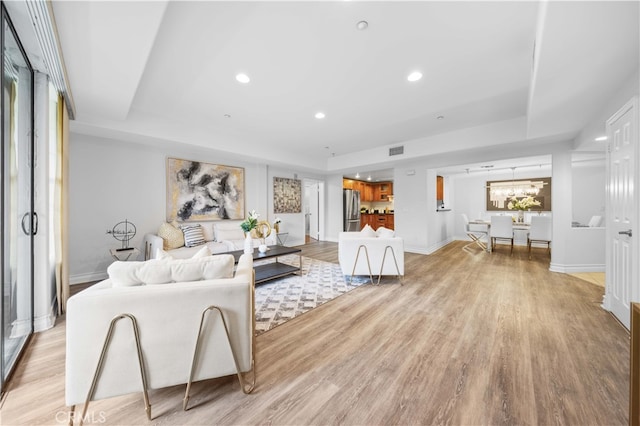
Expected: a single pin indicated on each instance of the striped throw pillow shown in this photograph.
(193, 235)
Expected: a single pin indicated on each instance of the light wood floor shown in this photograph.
(471, 338)
(593, 277)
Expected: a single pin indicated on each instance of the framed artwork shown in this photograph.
(287, 195)
(500, 192)
(199, 191)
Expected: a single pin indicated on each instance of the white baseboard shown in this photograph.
(437, 246)
(417, 250)
(574, 269)
(86, 278)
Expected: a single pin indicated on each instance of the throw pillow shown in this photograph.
(383, 232)
(193, 235)
(125, 274)
(212, 267)
(172, 237)
(368, 232)
(162, 271)
(161, 254)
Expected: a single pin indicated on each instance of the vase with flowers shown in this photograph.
(522, 204)
(276, 224)
(247, 226)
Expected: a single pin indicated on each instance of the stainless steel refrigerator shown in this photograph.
(351, 206)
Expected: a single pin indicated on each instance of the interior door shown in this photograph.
(311, 209)
(622, 271)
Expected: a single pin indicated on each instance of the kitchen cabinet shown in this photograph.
(366, 189)
(365, 219)
(377, 220)
(382, 191)
(440, 188)
(370, 191)
(367, 193)
(390, 222)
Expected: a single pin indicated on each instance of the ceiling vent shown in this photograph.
(397, 150)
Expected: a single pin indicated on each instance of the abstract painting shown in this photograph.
(202, 191)
(287, 195)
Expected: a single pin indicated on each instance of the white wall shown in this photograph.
(412, 211)
(112, 180)
(589, 192)
(333, 210)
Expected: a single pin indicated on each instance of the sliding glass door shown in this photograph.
(18, 222)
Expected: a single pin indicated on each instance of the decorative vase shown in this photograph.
(276, 226)
(520, 216)
(248, 243)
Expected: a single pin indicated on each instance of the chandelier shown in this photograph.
(521, 188)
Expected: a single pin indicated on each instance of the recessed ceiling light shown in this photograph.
(357, 175)
(320, 115)
(243, 78)
(601, 139)
(415, 76)
(440, 117)
(227, 116)
(362, 25)
(369, 177)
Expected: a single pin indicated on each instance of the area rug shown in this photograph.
(283, 299)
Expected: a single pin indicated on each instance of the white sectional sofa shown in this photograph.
(380, 246)
(219, 236)
(168, 317)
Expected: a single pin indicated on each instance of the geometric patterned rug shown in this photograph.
(283, 299)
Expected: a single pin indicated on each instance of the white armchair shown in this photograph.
(360, 254)
(124, 336)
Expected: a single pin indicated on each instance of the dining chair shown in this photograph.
(501, 229)
(476, 232)
(540, 232)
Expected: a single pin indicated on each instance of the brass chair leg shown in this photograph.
(247, 387)
(105, 349)
(477, 240)
(394, 260)
(355, 262)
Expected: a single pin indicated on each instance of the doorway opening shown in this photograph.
(313, 210)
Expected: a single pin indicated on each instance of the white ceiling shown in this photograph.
(166, 70)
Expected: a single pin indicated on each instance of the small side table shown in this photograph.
(282, 238)
(124, 255)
